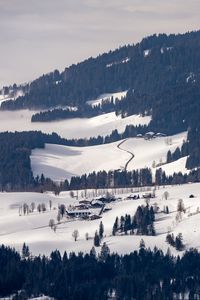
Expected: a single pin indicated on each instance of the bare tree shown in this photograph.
(87, 236)
(71, 194)
(54, 228)
(51, 223)
(180, 206)
(62, 209)
(50, 204)
(39, 208)
(32, 206)
(147, 201)
(43, 206)
(58, 217)
(20, 210)
(25, 209)
(57, 191)
(166, 195)
(75, 234)
(178, 217)
(168, 141)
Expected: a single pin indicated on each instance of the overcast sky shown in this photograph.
(38, 36)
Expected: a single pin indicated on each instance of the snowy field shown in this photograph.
(61, 162)
(107, 98)
(149, 151)
(34, 230)
(20, 120)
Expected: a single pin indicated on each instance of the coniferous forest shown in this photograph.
(140, 275)
(164, 84)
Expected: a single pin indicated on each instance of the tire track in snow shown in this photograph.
(129, 152)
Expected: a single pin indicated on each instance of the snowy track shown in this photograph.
(129, 152)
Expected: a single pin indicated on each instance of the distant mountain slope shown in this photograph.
(149, 67)
(161, 74)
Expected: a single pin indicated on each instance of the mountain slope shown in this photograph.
(161, 75)
(148, 67)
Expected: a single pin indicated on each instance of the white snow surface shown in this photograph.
(107, 97)
(148, 151)
(125, 60)
(61, 162)
(147, 52)
(33, 229)
(4, 98)
(71, 128)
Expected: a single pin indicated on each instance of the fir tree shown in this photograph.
(105, 251)
(115, 226)
(96, 239)
(101, 230)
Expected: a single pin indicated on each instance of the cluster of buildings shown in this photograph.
(90, 209)
(151, 135)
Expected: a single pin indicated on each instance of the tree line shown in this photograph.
(140, 275)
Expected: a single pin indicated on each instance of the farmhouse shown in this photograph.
(78, 213)
(149, 135)
(160, 134)
(86, 202)
(96, 204)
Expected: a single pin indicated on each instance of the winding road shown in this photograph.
(129, 152)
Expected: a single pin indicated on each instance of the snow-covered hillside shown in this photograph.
(4, 98)
(72, 128)
(61, 162)
(34, 230)
(107, 98)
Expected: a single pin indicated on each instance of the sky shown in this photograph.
(39, 36)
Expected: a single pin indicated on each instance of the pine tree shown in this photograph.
(93, 252)
(179, 242)
(142, 244)
(105, 251)
(96, 239)
(180, 206)
(169, 156)
(101, 230)
(75, 234)
(115, 226)
(25, 251)
(170, 239)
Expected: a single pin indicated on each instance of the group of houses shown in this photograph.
(151, 135)
(93, 209)
(90, 209)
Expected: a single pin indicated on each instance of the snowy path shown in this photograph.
(129, 152)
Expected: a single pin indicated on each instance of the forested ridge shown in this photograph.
(161, 75)
(171, 60)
